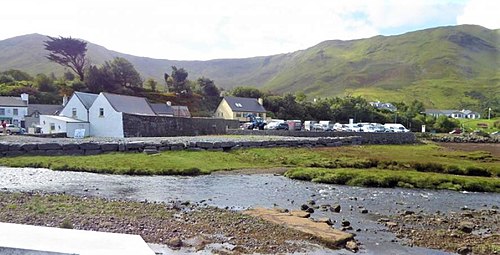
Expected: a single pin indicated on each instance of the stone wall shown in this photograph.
(92, 148)
(366, 138)
(157, 126)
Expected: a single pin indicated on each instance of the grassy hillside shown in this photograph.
(446, 67)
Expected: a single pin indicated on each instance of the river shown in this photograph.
(239, 191)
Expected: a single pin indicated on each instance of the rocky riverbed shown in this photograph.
(468, 231)
(176, 224)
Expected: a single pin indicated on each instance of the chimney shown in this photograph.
(261, 102)
(25, 97)
(169, 103)
(65, 100)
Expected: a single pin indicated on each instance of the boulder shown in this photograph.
(49, 146)
(352, 246)
(90, 146)
(466, 226)
(174, 243)
(335, 208)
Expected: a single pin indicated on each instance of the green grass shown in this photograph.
(471, 125)
(416, 161)
(391, 179)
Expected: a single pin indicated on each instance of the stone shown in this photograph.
(90, 146)
(174, 243)
(49, 146)
(311, 202)
(408, 212)
(335, 208)
(466, 226)
(310, 210)
(109, 147)
(345, 223)
(391, 224)
(205, 145)
(4, 147)
(352, 246)
(326, 220)
(14, 147)
(70, 146)
(29, 147)
(364, 211)
(304, 207)
(464, 250)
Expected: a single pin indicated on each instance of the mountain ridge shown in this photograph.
(439, 66)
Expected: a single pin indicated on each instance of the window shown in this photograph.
(238, 105)
(15, 112)
(73, 112)
(52, 126)
(101, 112)
(2, 111)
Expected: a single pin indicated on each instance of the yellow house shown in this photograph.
(238, 108)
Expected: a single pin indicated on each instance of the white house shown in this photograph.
(105, 114)
(52, 124)
(13, 109)
(457, 114)
(78, 106)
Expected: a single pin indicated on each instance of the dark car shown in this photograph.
(282, 126)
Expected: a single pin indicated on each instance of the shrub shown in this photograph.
(452, 169)
(477, 171)
(428, 167)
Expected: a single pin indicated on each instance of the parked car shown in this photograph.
(13, 129)
(282, 126)
(456, 131)
(395, 127)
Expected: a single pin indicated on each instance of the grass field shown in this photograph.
(416, 166)
(470, 125)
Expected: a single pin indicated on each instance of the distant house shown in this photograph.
(32, 119)
(181, 111)
(163, 109)
(457, 114)
(13, 109)
(384, 106)
(105, 114)
(237, 108)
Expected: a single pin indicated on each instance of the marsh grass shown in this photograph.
(420, 166)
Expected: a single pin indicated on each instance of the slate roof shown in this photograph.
(181, 111)
(44, 109)
(87, 99)
(12, 102)
(162, 109)
(129, 104)
(243, 104)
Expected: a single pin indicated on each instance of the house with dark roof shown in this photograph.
(163, 109)
(32, 119)
(105, 114)
(13, 109)
(238, 108)
(456, 114)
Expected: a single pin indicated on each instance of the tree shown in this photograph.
(123, 73)
(67, 52)
(44, 83)
(177, 80)
(247, 92)
(151, 84)
(444, 124)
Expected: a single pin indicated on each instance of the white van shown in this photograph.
(395, 127)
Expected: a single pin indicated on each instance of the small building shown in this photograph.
(163, 109)
(32, 119)
(181, 111)
(384, 106)
(13, 109)
(456, 114)
(105, 114)
(52, 124)
(238, 108)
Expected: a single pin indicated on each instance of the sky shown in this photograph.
(203, 30)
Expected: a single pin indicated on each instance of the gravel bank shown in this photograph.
(176, 224)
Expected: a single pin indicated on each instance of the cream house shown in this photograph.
(238, 108)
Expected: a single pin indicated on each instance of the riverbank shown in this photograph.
(177, 224)
(428, 166)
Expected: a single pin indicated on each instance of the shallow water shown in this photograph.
(238, 192)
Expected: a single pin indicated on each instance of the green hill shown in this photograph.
(445, 67)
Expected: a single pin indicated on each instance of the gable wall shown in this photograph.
(111, 125)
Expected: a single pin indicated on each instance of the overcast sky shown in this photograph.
(202, 29)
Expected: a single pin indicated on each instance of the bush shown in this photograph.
(477, 171)
(452, 169)
(428, 167)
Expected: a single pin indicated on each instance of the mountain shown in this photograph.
(445, 67)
